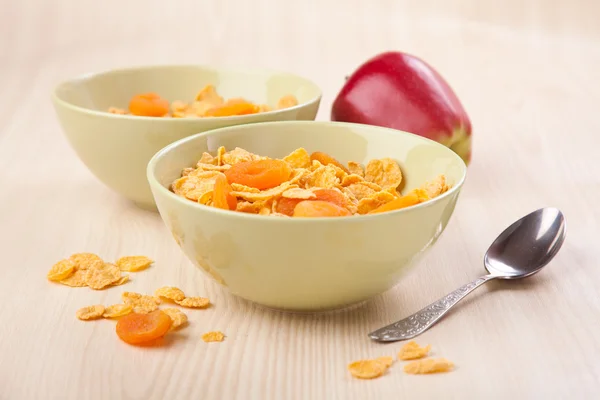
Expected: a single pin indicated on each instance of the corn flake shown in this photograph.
(435, 187)
(264, 194)
(124, 279)
(76, 280)
(287, 101)
(209, 94)
(117, 310)
(61, 270)
(194, 302)
(384, 172)
(428, 366)
(215, 336)
(91, 312)
(178, 317)
(170, 293)
(133, 263)
(298, 193)
(100, 276)
(356, 169)
(360, 190)
(377, 199)
(350, 179)
(387, 361)
(298, 158)
(243, 188)
(85, 260)
(238, 155)
(367, 369)
(412, 351)
(324, 177)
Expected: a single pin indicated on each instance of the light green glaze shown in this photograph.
(308, 263)
(117, 148)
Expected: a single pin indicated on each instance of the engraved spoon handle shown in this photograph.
(422, 320)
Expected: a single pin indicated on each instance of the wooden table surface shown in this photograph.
(528, 74)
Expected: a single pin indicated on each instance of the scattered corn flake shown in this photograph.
(412, 351)
(324, 177)
(298, 193)
(238, 155)
(367, 369)
(209, 167)
(117, 310)
(85, 260)
(91, 312)
(360, 190)
(207, 158)
(61, 270)
(133, 263)
(100, 276)
(214, 336)
(76, 280)
(194, 302)
(131, 297)
(350, 179)
(264, 194)
(377, 199)
(124, 279)
(356, 168)
(238, 187)
(435, 187)
(287, 101)
(386, 360)
(141, 303)
(384, 172)
(178, 317)
(428, 366)
(298, 158)
(209, 94)
(264, 211)
(170, 293)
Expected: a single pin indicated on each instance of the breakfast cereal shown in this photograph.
(170, 293)
(215, 336)
(117, 310)
(299, 185)
(90, 312)
(367, 369)
(428, 366)
(177, 316)
(412, 351)
(208, 103)
(194, 302)
(133, 263)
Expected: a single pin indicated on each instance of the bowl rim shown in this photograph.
(156, 185)
(218, 67)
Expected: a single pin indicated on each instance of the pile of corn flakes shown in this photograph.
(374, 368)
(284, 187)
(138, 303)
(208, 103)
(88, 269)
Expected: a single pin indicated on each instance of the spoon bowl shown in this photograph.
(521, 250)
(526, 246)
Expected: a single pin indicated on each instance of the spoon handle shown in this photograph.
(422, 320)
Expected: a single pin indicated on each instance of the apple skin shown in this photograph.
(401, 91)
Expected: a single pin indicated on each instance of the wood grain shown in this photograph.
(526, 71)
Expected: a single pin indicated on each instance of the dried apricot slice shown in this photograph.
(259, 174)
(286, 206)
(411, 199)
(143, 328)
(232, 108)
(319, 208)
(332, 196)
(149, 105)
(222, 197)
(326, 159)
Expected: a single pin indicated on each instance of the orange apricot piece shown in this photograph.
(319, 208)
(232, 108)
(148, 105)
(222, 197)
(414, 197)
(286, 206)
(332, 196)
(325, 159)
(143, 328)
(259, 174)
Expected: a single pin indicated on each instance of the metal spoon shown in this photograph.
(521, 250)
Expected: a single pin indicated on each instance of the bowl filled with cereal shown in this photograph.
(305, 215)
(117, 120)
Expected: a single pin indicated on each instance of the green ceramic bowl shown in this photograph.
(308, 264)
(117, 148)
